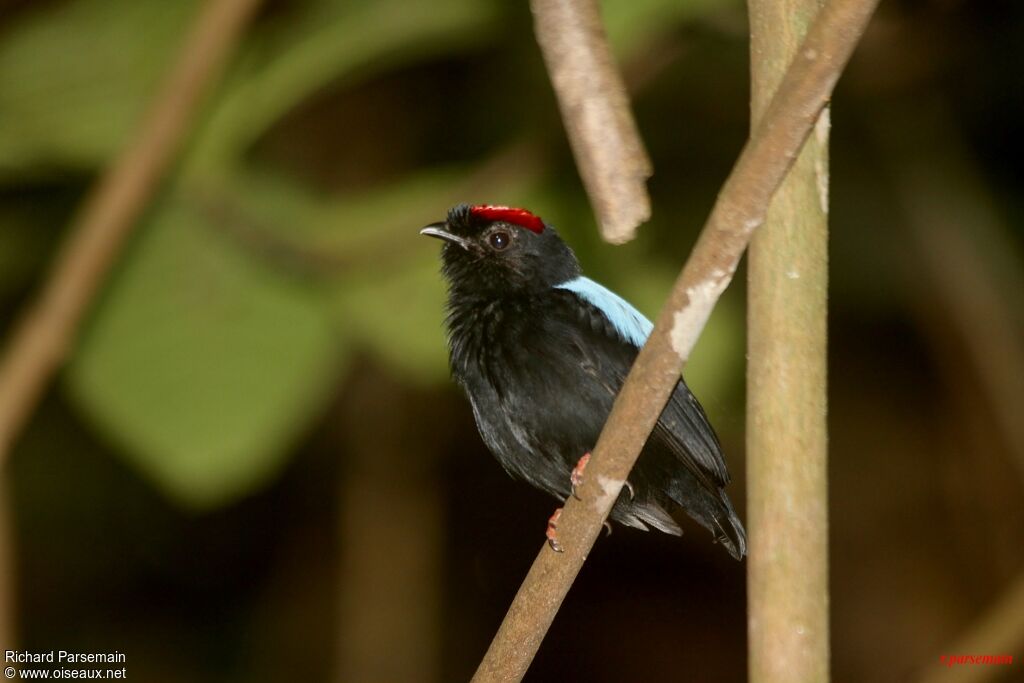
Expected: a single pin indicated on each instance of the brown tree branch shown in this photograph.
(740, 209)
(595, 108)
(787, 444)
(43, 337)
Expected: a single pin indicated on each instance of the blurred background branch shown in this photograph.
(741, 207)
(967, 255)
(45, 334)
(391, 529)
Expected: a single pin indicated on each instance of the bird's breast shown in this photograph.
(491, 339)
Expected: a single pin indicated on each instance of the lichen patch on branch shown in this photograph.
(690, 319)
(821, 129)
(610, 488)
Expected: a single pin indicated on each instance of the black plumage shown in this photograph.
(541, 352)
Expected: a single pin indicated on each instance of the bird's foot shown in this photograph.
(629, 487)
(607, 528)
(552, 532)
(576, 478)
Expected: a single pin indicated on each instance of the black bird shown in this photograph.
(541, 352)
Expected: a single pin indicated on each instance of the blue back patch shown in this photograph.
(627, 321)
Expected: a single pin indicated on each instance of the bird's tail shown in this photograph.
(736, 541)
(712, 509)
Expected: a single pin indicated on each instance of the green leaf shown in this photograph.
(75, 77)
(631, 25)
(201, 362)
(399, 316)
(333, 41)
(382, 277)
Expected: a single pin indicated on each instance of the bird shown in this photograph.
(541, 351)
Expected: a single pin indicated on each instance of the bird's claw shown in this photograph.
(552, 532)
(576, 478)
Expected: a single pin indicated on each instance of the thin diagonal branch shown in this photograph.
(595, 108)
(740, 209)
(42, 338)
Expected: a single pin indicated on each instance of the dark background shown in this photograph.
(254, 467)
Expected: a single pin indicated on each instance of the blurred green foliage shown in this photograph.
(76, 77)
(248, 287)
(202, 361)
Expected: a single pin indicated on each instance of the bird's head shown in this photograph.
(497, 249)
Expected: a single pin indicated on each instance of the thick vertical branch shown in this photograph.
(787, 514)
(740, 209)
(595, 108)
(42, 338)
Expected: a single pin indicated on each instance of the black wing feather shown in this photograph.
(683, 427)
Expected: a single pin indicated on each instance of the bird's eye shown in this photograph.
(499, 239)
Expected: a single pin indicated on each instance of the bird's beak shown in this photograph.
(438, 230)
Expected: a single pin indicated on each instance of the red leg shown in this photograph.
(577, 474)
(552, 533)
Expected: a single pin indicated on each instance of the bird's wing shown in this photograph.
(630, 324)
(683, 427)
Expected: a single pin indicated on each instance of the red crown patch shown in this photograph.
(520, 217)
